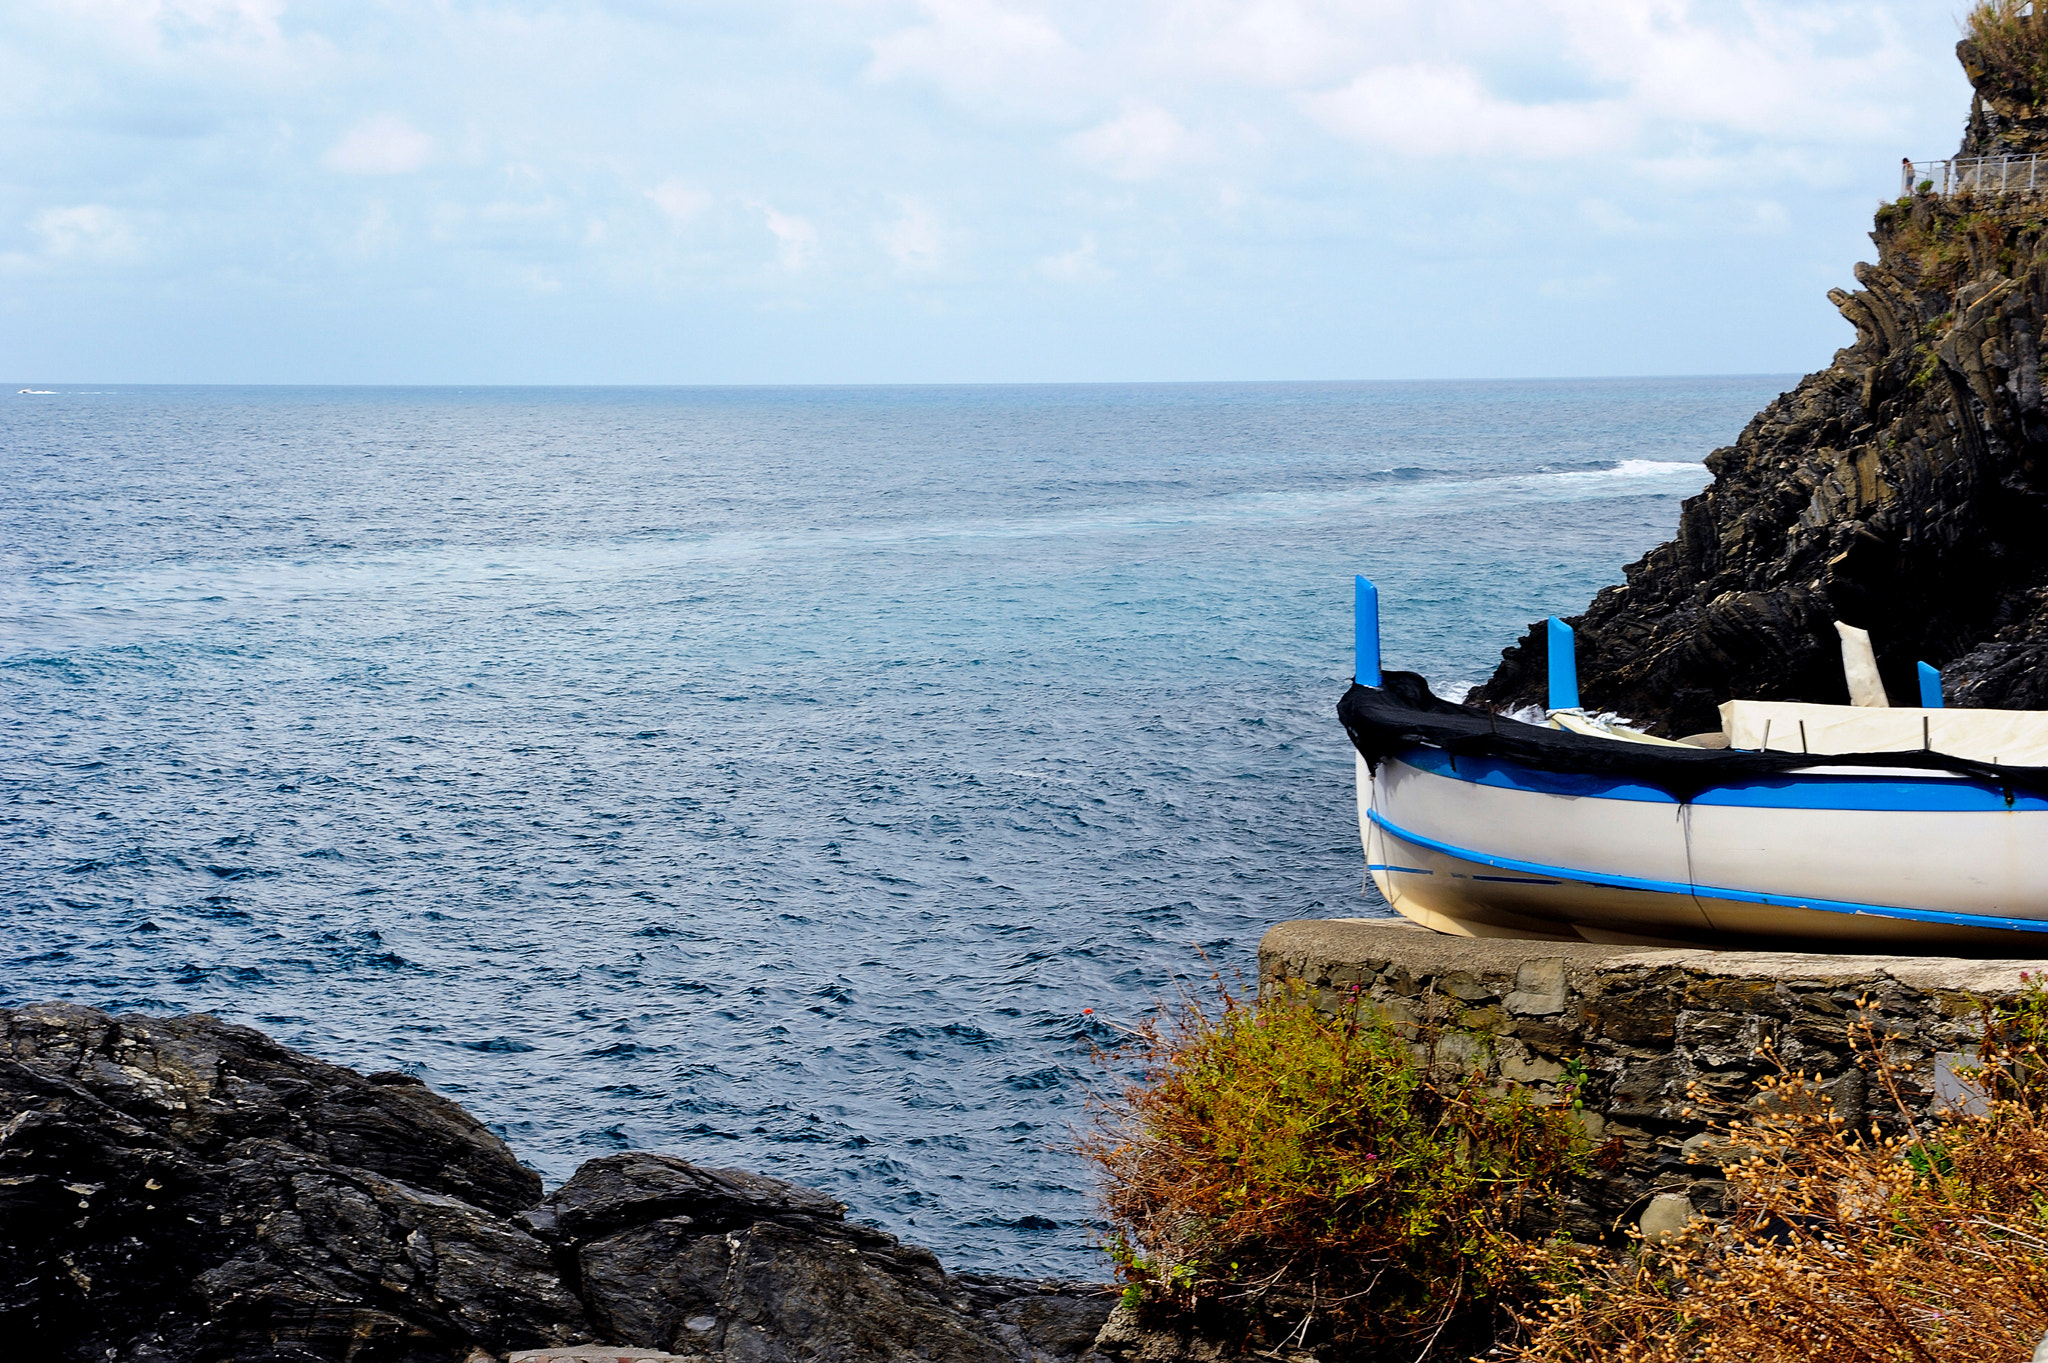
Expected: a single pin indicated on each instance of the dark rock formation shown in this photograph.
(723, 1264)
(1217, 1336)
(1904, 489)
(2006, 113)
(180, 1189)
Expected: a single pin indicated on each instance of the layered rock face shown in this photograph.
(1904, 489)
(178, 1189)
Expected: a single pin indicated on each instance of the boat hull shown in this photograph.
(1858, 860)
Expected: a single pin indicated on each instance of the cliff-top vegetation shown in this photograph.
(2012, 46)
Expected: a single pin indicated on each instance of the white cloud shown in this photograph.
(1282, 44)
(159, 23)
(1244, 149)
(913, 238)
(1606, 218)
(984, 54)
(679, 202)
(1078, 266)
(1427, 110)
(1768, 217)
(1578, 288)
(1775, 69)
(382, 145)
(1137, 144)
(516, 210)
(376, 233)
(84, 231)
(1542, 81)
(796, 240)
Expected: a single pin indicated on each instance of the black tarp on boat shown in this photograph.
(1403, 712)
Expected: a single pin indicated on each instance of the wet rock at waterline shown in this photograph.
(183, 1189)
(178, 1188)
(720, 1263)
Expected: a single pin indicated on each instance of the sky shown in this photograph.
(941, 191)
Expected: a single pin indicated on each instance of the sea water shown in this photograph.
(778, 777)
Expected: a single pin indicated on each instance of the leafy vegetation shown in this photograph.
(1314, 1177)
(1949, 242)
(1913, 1240)
(2011, 44)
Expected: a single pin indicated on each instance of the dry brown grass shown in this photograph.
(1923, 1241)
(1308, 1177)
(2012, 43)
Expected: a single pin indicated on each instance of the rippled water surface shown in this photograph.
(768, 776)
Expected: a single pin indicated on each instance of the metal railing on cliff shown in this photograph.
(1976, 174)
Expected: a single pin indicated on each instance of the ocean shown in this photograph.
(773, 776)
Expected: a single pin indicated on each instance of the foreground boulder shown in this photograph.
(719, 1263)
(183, 1189)
(176, 1188)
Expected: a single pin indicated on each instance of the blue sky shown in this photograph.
(826, 191)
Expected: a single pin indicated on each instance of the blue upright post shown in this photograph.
(1366, 610)
(1564, 667)
(1930, 688)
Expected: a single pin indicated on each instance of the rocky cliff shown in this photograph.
(1903, 489)
(180, 1190)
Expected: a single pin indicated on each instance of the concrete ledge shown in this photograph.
(1419, 949)
(1650, 1028)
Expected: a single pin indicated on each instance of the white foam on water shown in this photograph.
(1638, 468)
(1658, 468)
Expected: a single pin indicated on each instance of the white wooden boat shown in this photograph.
(1853, 828)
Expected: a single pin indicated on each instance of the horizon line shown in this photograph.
(30, 389)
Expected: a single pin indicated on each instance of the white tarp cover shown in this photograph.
(2015, 737)
(1859, 668)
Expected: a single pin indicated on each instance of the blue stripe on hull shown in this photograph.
(1562, 874)
(1933, 795)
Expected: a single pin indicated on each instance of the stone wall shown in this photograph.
(1647, 1026)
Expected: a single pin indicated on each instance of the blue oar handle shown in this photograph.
(1930, 688)
(1564, 667)
(1366, 638)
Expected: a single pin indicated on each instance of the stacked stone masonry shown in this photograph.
(1651, 1029)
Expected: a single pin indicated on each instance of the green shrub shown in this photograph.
(1309, 1173)
(2012, 45)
